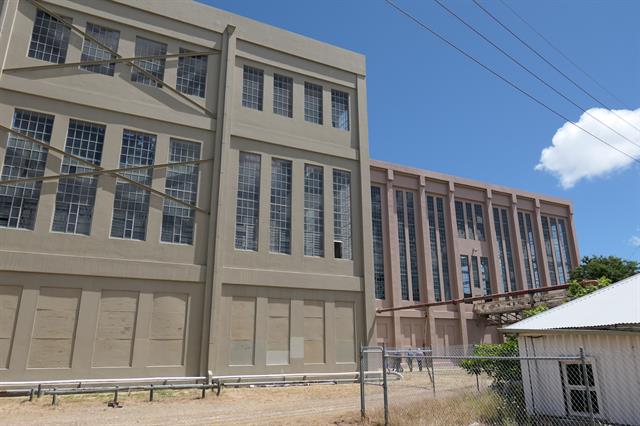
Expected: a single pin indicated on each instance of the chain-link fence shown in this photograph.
(418, 386)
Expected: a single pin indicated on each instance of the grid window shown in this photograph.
(555, 238)
(549, 251)
(91, 51)
(507, 244)
(479, 222)
(486, 280)
(470, 227)
(76, 196)
(24, 159)
(155, 67)
(557, 249)
(313, 210)
(131, 203)
(442, 235)
(528, 250)
(49, 39)
(435, 270)
(466, 275)
(413, 247)
(402, 245)
(342, 210)
(576, 388)
(501, 257)
(564, 238)
(282, 95)
(181, 183)
(378, 242)
(532, 251)
(192, 74)
(248, 202)
(252, 87)
(339, 109)
(476, 271)
(280, 239)
(313, 103)
(462, 233)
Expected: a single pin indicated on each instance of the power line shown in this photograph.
(561, 53)
(528, 70)
(501, 77)
(541, 56)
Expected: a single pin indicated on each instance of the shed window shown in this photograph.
(576, 389)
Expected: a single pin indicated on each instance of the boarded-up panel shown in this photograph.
(9, 300)
(345, 332)
(314, 332)
(116, 325)
(278, 332)
(242, 330)
(168, 323)
(54, 328)
(447, 336)
(382, 330)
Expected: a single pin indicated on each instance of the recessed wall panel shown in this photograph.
(345, 332)
(116, 327)
(314, 332)
(278, 332)
(243, 314)
(9, 301)
(168, 324)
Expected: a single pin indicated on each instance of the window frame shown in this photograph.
(309, 107)
(594, 388)
(247, 100)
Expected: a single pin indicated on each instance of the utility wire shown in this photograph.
(541, 56)
(528, 70)
(561, 53)
(501, 77)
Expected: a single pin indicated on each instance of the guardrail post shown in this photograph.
(384, 384)
(151, 393)
(39, 394)
(585, 377)
(54, 398)
(362, 400)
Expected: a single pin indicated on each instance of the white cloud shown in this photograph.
(575, 155)
(635, 240)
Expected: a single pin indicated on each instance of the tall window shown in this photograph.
(476, 271)
(466, 275)
(402, 246)
(154, 67)
(76, 196)
(313, 210)
(282, 95)
(313, 103)
(342, 210)
(470, 227)
(528, 250)
(182, 183)
(248, 202)
(469, 221)
(479, 222)
(413, 247)
(131, 203)
(443, 249)
(462, 233)
(24, 159)
(486, 280)
(91, 51)
(280, 238)
(503, 238)
(192, 74)
(549, 251)
(49, 39)
(252, 87)
(557, 247)
(433, 241)
(378, 242)
(507, 244)
(407, 240)
(339, 109)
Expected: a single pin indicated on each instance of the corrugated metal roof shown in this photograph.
(615, 304)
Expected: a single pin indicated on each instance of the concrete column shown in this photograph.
(521, 278)
(542, 252)
(573, 239)
(496, 273)
(7, 20)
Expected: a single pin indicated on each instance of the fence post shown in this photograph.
(585, 377)
(362, 400)
(384, 384)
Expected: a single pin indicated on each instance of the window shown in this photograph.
(575, 388)
(181, 183)
(469, 221)
(479, 222)
(501, 257)
(507, 244)
(24, 159)
(442, 235)
(462, 233)
(402, 245)
(505, 258)
(435, 270)
(557, 247)
(131, 204)
(378, 242)
(339, 109)
(342, 210)
(405, 211)
(280, 239)
(313, 103)
(154, 67)
(313, 210)
(547, 244)
(192, 74)
(91, 51)
(413, 247)
(466, 275)
(76, 196)
(248, 202)
(49, 39)
(486, 280)
(476, 271)
(252, 87)
(528, 250)
(282, 95)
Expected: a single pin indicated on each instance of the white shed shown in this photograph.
(606, 326)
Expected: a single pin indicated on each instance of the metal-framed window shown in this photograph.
(339, 109)
(155, 67)
(479, 222)
(402, 246)
(476, 271)
(282, 95)
(76, 196)
(313, 210)
(444, 257)
(528, 250)
(24, 159)
(413, 247)
(312, 103)
(466, 275)
(433, 241)
(407, 240)
(248, 202)
(181, 183)
(378, 241)
(469, 221)
(192, 74)
(252, 87)
(486, 276)
(549, 251)
(462, 233)
(131, 204)
(342, 210)
(557, 248)
(91, 51)
(501, 255)
(49, 39)
(280, 238)
(575, 388)
(507, 244)
(470, 228)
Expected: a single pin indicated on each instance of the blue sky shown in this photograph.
(432, 108)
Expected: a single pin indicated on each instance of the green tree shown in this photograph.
(611, 267)
(576, 289)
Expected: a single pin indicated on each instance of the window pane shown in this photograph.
(532, 251)
(435, 271)
(283, 95)
(557, 250)
(91, 51)
(470, 229)
(131, 204)
(49, 39)
(507, 244)
(252, 87)
(378, 243)
(76, 196)
(476, 272)
(24, 159)
(479, 222)
(466, 278)
(340, 109)
(313, 210)
(562, 231)
(525, 249)
(402, 246)
(192, 74)
(342, 210)
(549, 251)
(413, 249)
(443, 248)
(460, 220)
(501, 258)
(248, 202)
(280, 238)
(313, 103)
(181, 183)
(486, 280)
(154, 67)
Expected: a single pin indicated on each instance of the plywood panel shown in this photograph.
(383, 325)
(314, 351)
(278, 332)
(345, 332)
(242, 330)
(116, 326)
(168, 323)
(9, 300)
(447, 336)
